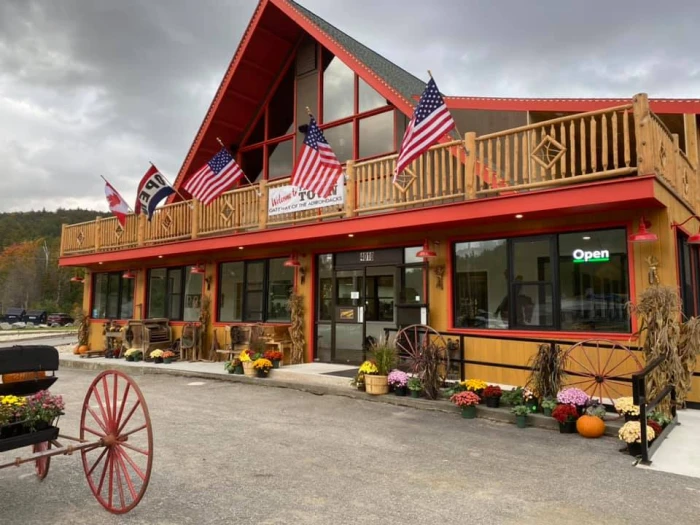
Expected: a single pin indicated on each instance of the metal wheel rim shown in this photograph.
(411, 333)
(42, 465)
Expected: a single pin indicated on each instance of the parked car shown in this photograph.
(14, 315)
(35, 317)
(61, 319)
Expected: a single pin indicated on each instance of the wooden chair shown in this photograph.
(189, 343)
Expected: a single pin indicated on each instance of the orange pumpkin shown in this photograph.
(590, 426)
(22, 376)
(76, 350)
(83, 349)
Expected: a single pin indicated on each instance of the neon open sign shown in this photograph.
(584, 256)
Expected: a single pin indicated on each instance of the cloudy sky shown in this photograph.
(90, 87)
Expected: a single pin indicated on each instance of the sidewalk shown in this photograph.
(680, 451)
(310, 377)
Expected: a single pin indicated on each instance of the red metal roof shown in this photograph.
(688, 105)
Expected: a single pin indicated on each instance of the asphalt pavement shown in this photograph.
(229, 453)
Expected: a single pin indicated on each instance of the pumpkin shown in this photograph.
(83, 349)
(76, 350)
(590, 426)
(22, 376)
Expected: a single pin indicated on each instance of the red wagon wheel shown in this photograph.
(118, 471)
(603, 369)
(42, 464)
(412, 343)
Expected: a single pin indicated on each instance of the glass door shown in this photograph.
(380, 300)
(348, 344)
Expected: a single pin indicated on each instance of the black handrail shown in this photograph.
(639, 397)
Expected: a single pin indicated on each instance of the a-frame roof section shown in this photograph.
(265, 49)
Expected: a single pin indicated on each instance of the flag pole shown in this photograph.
(120, 195)
(244, 175)
(173, 187)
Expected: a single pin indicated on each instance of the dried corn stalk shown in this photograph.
(688, 350)
(296, 330)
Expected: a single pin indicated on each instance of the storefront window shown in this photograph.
(112, 296)
(255, 274)
(586, 289)
(325, 287)
(231, 292)
(174, 293)
(157, 290)
(686, 275)
(193, 295)
(280, 287)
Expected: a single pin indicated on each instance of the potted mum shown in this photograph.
(275, 356)
(631, 434)
(247, 362)
(513, 397)
(566, 415)
(157, 356)
(625, 406)
(656, 428)
(168, 357)
(415, 386)
(521, 412)
(130, 354)
(475, 385)
(262, 367)
(530, 399)
(548, 404)
(398, 380)
(384, 358)
(467, 401)
(11, 416)
(234, 366)
(492, 395)
(573, 396)
(41, 410)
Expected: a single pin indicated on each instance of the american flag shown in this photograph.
(431, 120)
(317, 169)
(214, 178)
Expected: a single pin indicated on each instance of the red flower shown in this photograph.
(655, 426)
(492, 391)
(565, 413)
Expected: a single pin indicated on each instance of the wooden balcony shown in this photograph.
(617, 142)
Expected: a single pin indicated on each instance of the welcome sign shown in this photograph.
(291, 199)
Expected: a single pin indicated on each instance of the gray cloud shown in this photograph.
(102, 87)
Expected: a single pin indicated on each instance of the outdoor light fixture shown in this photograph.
(695, 238)
(240, 247)
(128, 275)
(197, 270)
(426, 252)
(519, 216)
(77, 279)
(292, 262)
(643, 234)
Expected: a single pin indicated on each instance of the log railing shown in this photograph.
(585, 147)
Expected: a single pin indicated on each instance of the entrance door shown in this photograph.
(348, 317)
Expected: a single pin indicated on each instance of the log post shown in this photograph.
(98, 234)
(350, 189)
(643, 136)
(675, 166)
(141, 231)
(470, 167)
(63, 240)
(195, 211)
(262, 205)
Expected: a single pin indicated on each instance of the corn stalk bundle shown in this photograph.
(296, 330)
(546, 371)
(205, 318)
(83, 329)
(659, 313)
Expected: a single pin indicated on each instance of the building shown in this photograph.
(530, 225)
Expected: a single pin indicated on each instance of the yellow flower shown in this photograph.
(262, 363)
(631, 432)
(244, 357)
(12, 400)
(368, 367)
(156, 353)
(474, 384)
(625, 405)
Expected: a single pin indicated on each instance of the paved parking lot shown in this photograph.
(233, 453)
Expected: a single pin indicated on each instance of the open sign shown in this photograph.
(581, 256)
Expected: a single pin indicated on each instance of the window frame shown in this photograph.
(682, 246)
(185, 269)
(120, 292)
(553, 238)
(244, 319)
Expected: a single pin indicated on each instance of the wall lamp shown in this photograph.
(128, 275)
(426, 252)
(294, 262)
(695, 238)
(643, 234)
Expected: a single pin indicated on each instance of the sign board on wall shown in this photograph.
(291, 199)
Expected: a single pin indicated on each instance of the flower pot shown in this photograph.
(630, 417)
(469, 412)
(493, 402)
(248, 369)
(415, 394)
(262, 372)
(480, 393)
(275, 363)
(567, 428)
(634, 449)
(376, 385)
(167, 360)
(129, 358)
(547, 412)
(399, 390)
(238, 369)
(157, 360)
(361, 387)
(521, 421)
(532, 405)
(138, 358)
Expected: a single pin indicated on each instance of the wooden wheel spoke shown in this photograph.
(127, 476)
(88, 429)
(114, 399)
(131, 462)
(105, 388)
(104, 471)
(97, 420)
(97, 462)
(582, 366)
(105, 416)
(120, 487)
(135, 449)
(133, 431)
(607, 362)
(585, 354)
(123, 404)
(111, 478)
(609, 372)
(607, 383)
(578, 382)
(128, 417)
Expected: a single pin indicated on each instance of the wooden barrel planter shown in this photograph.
(248, 369)
(376, 385)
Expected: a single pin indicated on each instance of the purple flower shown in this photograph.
(397, 378)
(573, 396)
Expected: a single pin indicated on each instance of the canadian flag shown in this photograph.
(117, 205)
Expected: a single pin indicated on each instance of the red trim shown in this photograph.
(568, 104)
(577, 336)
(618, 194)
(311, 328)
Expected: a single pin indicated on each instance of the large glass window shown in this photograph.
(325, 287)
(571, 282)
(377, 135)
(174, 293)
(254, 291)
(112, 296)
(280, 159)
(338, 89)
(686, 275)
(340, 139)
(369, 99)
